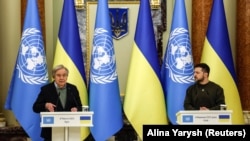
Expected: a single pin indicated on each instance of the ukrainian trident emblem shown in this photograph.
(119, 22)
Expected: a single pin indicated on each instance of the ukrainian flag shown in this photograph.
(69, 53)
(224, 118)
(144, 101)
(217, 54)
(85, 119)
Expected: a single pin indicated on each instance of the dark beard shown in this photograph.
(200, 80)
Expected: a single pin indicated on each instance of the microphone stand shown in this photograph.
(76, 103)
(58, 96)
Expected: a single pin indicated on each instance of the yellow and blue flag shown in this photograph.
(85, 119)
(224, 118)
(30, 73)
(217, 54)
(177, 68)
(104, 89)
(69, 53)
(144, 101)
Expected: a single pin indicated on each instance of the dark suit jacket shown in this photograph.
(49, 93)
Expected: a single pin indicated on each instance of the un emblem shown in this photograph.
(103, 58)
(179, 56)
(31, 58)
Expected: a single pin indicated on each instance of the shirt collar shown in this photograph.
(58, 87)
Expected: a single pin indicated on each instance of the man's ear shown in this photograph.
(206, 74)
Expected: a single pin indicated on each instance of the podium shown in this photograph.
(210, 117)
(66, 124)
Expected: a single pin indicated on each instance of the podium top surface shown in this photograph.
(204, 112)
(67, 113)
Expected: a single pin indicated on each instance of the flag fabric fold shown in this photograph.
(218, 55)
(177, 68)
(103, 85)
(30, 73)
(144, 98)
(69, 53)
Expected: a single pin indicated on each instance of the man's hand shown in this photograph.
(50, 107)
(74, 109)
(204, 108)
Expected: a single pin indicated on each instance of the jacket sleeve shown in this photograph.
(76, 98)
(189, 100)
(220, 99)
(39, 104)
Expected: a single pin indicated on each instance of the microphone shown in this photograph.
(58, 97)
(75, 101)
